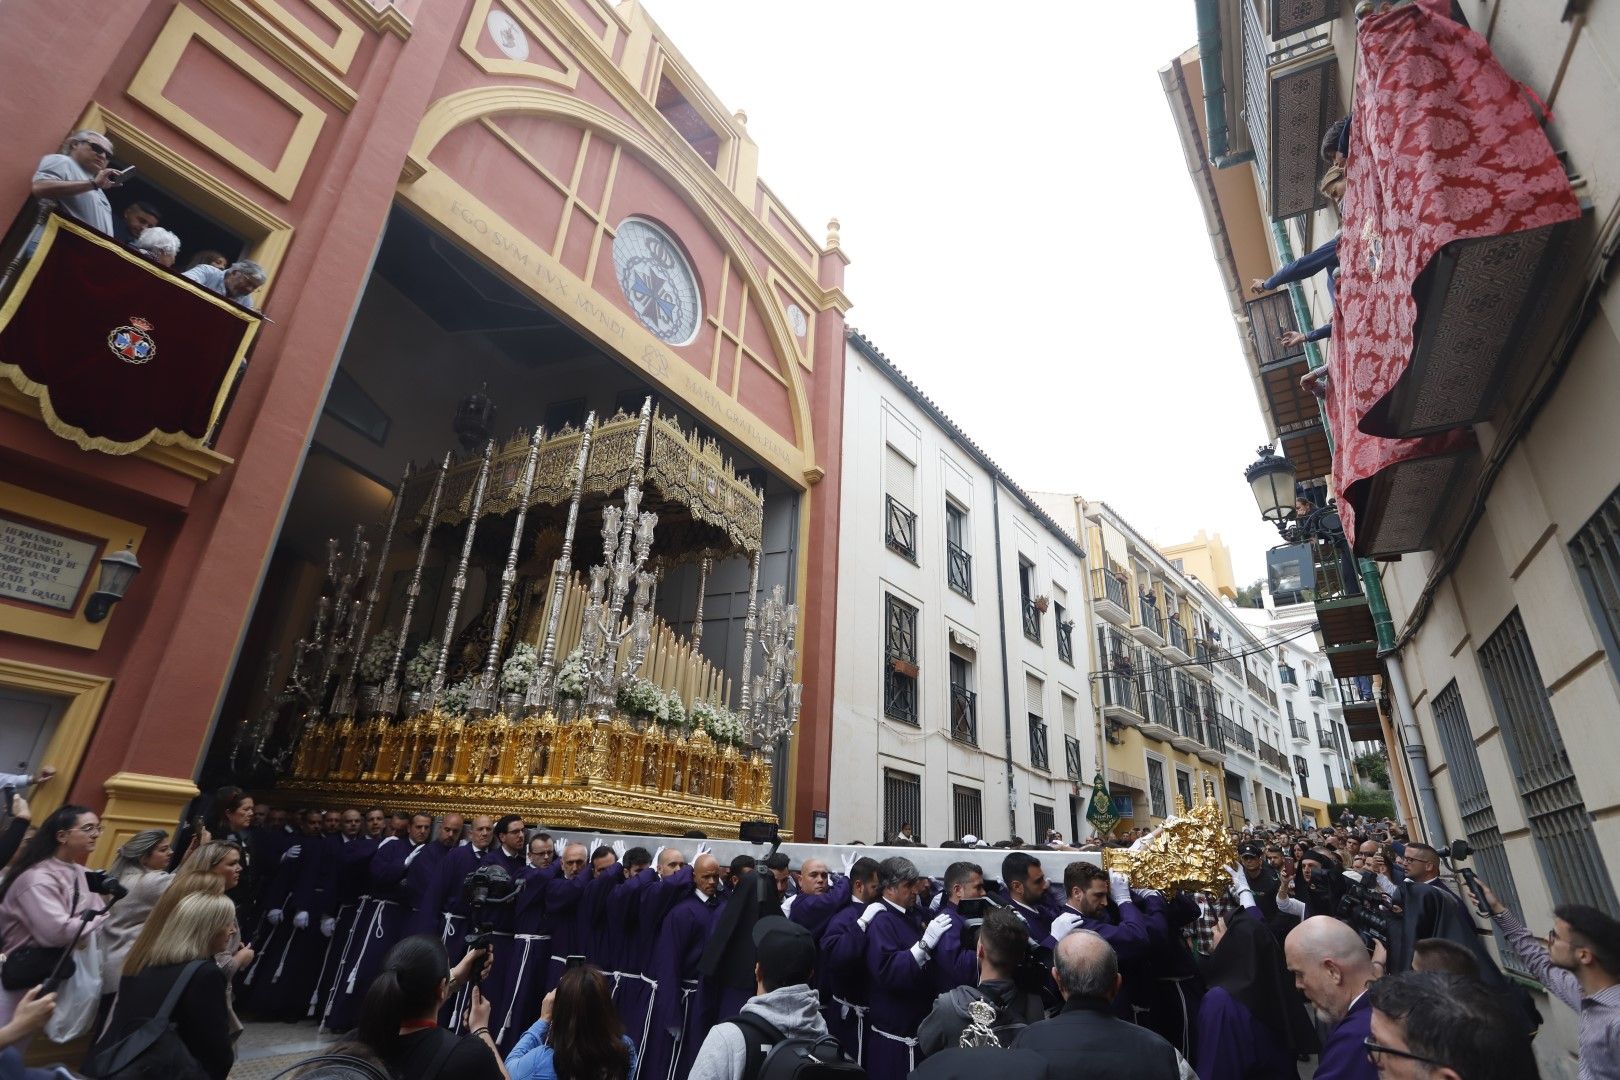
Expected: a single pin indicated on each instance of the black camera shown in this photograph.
(101, 883)
(487, 887)
(1365, 907)
(973, 912)
(1460, 851)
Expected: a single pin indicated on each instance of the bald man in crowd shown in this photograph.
(1332, 968)
(683, 1008)
(818, 899)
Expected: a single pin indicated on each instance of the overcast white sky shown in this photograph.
(1024, 238)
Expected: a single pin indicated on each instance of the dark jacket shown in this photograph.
(943, 1027)
(201, 1017)
(980, 1062)
(1087, 1039)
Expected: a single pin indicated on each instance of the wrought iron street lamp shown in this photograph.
(1272, 479)
(117, 571)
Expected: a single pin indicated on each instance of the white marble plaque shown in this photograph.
(41, 567)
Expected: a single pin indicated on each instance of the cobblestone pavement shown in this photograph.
(266, 1048)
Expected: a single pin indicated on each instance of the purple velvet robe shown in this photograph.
(901, 990)
(955, 963)
(814, 912)
(1233, 1045)
(379, 924)
(842, 978)
(281, 983)
(682, 1010)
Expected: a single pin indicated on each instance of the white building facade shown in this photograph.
(960, 704)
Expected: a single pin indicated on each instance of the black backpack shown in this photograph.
(774, 1056)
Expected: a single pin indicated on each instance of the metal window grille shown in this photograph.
(900, 660)
(1474, 803)
(1271, 807)
(1071, 757)
(1158, 802)
(1558, 817)
(1184, 787)
(958, 563)
(1045, 822)
(1304, 773)
(902, 802)
(967, 806)
(964, 704)
(1039, 752)
(1596, 550)
(900, 528)
(1065, 635)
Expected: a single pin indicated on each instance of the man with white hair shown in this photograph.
(158, 244)
(898, 953)
(236, 282)
(77, 179)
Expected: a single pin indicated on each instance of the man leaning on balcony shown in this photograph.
(236, 282)
(77, 179)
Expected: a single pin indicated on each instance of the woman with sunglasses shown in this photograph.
(42, 899)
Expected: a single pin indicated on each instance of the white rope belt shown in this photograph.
(909, 1044)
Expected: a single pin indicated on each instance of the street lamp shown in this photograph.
(117, 571)
(1272, 480)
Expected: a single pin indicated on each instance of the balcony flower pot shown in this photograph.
(1041, 603)
(903, 667)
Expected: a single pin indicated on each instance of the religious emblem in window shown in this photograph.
(657, 280)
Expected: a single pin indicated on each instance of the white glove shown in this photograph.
(870, 913)
(1119, 887)
(292, 852)
(1240, 881)
(301, 921)
(1136, 845)
(273, 917)
(920, 953)
(328, 925)
(702, 850)
(935, 930)
(848, 859)
(619, 849)
(656, 853)
(596, 842)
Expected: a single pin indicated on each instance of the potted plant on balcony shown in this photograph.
(1041, 603)
(902, 666)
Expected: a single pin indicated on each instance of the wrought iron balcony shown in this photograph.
(1071, 758)
(1295, 410)
(1324, 739)
(900, 691)
(1065, 642)
(1189, 733)
(1345, 620)
(1287, 675)
(1360, 709)
(959, 569)
(900, 528)
(964, 715)
(1291, 95)
(1297, 729)
(1032, 621)
(1149, 625)
(1274, 757)
(1039, 752)
(1119, 697)
(1111, 596)
(1316, 688)
(1177, 638)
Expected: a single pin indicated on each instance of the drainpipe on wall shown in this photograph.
(1006, 685)
(1411, 736)
(1214, 79)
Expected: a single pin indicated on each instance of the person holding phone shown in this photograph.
(77, 179)
(579, 1032)
(399, 1018)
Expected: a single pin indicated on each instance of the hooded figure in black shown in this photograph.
(1252, 1022)
(1321, 888)
(728, 958)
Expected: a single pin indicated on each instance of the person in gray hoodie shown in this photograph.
(785, 958)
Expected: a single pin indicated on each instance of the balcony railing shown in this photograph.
(1201, 652)
(1297, 729)
(1065, 642)
(1316, 688)
(1287, 676)
(1032, 621)
(959, 569)
(1178, 637)
(1291, 94)
(1071, 758)
(1148, 617)
(1236, 735)
(1324, 739)
(1273, 756)
(900, 528)
(1211, 734)
(1119, 688)
(1039, 752)
(1111, 594)
(964, 715)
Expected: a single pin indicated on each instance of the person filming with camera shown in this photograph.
(1580, 966)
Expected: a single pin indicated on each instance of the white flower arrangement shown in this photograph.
(375, 658)
(726, 727)
(571, 677)
(640, 697)
(419, 671)
(455, 700)
(702, 715)
(674, 714)
(520, 669)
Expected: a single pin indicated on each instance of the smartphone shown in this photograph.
(975, 908)
(197, 826)
(575, 961)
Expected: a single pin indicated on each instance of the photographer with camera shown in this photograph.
(398, 1019)
(999, 946)
(1580, 966)
(45, 904)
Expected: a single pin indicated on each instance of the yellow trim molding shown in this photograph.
(567, 75)
(184, 27)
(85, 695)
(139, 801)
(199, 465)
(66, 627)
(275, 30)
(388, 18)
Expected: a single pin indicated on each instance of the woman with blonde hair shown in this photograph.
(197, 929)
(141, 866)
